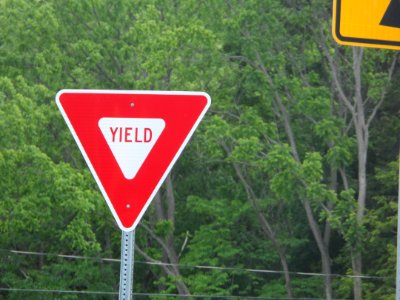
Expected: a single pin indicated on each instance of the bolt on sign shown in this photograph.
(367, 23)
(130, 140)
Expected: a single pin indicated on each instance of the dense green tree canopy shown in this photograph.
(287, 190)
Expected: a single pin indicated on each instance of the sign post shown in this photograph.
(126, 268)
(130, 141)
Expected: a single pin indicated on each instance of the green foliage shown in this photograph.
(213, 244)
(283, 170)
(54, 204)
(344, 217)
(276, 135)
(164, 228)
(341, 154)
(381, 223)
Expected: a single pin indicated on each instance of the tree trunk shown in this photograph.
(362, 145)
(356, 263)
(285, 115)
(265, 226)
(322, 247)
(164, 210)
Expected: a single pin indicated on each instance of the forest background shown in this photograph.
(287, 190)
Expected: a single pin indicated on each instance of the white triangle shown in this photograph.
(131, 140)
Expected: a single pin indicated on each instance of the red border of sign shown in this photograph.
(130, 92)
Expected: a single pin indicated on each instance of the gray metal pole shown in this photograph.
(127, 259)
(398, 242)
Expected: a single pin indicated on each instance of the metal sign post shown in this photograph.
(127, 256)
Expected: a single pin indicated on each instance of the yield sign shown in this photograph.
(130, 141)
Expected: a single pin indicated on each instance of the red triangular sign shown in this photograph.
(130, 141)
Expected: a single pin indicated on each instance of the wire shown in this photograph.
(159, 263)
(57, 291)
(61, 255)
(151, 294)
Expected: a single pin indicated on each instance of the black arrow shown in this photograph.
(392, 15)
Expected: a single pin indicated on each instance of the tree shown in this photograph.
(361, 93)
(275, 177)
(285, 79)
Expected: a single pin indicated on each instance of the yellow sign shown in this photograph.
(368, 23)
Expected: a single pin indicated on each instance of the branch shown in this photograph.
(384, 90)
(105, 74)
(77, 16)
(343, 175)
(315, 228)
(184, 244)
(253, 201)
(158, 206)
(95, 13)
(156, 238)
(335, 72)
(282, 108)
(152, 260)
(170, 199)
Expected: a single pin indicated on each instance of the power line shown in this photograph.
(159, 263)
(152, 294)
(61, 255)
(57, 291)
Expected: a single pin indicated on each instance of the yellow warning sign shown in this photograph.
(368, 23)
